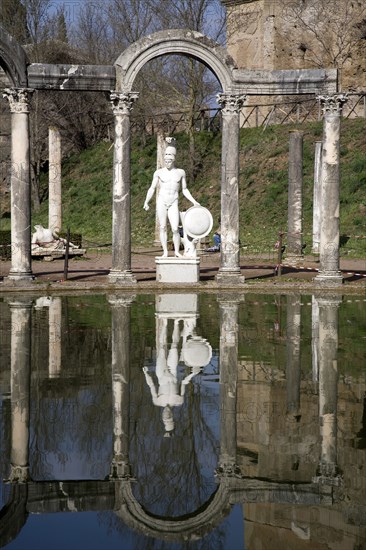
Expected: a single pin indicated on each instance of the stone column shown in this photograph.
(294, 229)
(329, 273)
(121, 219)
(229, 271)
(228, 384)
(160, 150)
(293, 363)
(21, 314)
(317, 197)
(54, 182)
(328, 388)
(21, 260)
(121, 339)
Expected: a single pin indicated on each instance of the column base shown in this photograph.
(15, 277)
(330, 278)
(294, 259)
(120, 277)
(230, 278)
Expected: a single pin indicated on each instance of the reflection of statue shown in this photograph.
(169, 179)
(48, 239)
(170, 391)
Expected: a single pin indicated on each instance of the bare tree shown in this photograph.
(330, 30)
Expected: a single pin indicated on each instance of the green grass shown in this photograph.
(87, 185)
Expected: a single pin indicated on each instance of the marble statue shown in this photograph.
(45, 238)
(167, 181)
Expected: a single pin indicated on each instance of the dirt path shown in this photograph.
(96, 265)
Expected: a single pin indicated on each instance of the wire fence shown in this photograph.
(294, 111)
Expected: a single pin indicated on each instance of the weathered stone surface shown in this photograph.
(45, 76)
(14, 59)
(180, 41)
(280, 82)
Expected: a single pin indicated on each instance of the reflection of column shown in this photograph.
(121, 337)
(121, 219)
(228, 384)
(21, 311)
(317, 197)
(328, 387)
(230, 251)
(294, 212)
(54, 184)
(54, 337)
(315, 338)
(293, 364)
(20, 184)
(329, 272)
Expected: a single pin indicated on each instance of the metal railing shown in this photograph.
(294, 111)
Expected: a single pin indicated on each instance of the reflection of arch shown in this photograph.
(187, 527)
(13, 59)
(174, 41)
(13, 515)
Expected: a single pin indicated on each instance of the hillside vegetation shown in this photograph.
(87, 185)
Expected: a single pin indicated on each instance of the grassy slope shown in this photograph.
(263, 184)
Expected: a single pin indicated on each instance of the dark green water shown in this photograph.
(183, 421)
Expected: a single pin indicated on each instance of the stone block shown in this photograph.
(177, 270)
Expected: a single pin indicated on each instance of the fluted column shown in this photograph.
(228, 385)
(21, 260)
(294, 211)
(121, 339)
(329, 273)
(21, 312)
(328, 388)
(121, 273)
(229, 271)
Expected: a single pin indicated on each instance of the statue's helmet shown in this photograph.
(170, 150)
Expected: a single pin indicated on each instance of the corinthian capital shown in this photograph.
(122, 103)
(231, 103)
(18, 98)
(333, 104)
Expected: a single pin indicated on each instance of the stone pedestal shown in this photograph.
(177, 270)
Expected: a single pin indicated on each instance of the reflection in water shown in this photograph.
(259, 409)
(195, 353)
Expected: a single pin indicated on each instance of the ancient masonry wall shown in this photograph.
(263, 34)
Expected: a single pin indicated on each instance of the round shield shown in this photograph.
(197, 222)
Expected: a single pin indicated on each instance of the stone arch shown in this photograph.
(189, 527)
(13, 59)
(174, 41)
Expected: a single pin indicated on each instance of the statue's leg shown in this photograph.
(173, 215)
(162, 216)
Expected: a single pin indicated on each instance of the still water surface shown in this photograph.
(175, 421)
